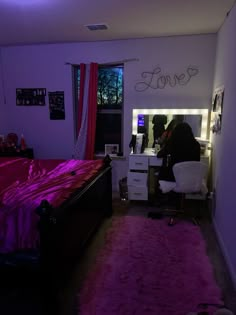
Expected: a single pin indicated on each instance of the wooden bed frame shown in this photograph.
(65, 231)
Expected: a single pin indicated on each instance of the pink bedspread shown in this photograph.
(24, 183)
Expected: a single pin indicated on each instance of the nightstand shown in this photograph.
(28, 153)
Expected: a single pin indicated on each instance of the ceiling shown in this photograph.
(55, 21)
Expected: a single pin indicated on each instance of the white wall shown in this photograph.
(44, 66)
(224, 145)
(3, 114)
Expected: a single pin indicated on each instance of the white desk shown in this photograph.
(140, 175)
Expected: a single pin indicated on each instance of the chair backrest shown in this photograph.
(189, 176)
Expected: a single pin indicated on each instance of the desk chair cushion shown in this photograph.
(166, 186)
(190, 177)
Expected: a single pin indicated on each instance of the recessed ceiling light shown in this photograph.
(96, 27)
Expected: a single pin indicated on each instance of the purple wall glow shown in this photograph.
(44, 66)
(3, 112)
(22, 3)
(224, 147)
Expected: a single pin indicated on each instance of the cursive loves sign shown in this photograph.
(157, 80)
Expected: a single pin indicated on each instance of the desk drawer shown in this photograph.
(138, 163)
(154, 161)
(137, 193)
(137, 179)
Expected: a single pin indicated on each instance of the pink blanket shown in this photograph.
(25, 183)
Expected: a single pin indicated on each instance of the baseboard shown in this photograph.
(225, 254)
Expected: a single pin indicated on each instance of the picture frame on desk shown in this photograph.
(111, 149)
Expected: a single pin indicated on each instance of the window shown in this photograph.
(110, 105)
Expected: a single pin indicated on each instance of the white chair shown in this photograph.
(190, 178)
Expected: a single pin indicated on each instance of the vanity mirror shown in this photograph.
(196, 118)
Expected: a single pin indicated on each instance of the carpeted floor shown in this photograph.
(24, 299)
(146, 267)
(216, 258)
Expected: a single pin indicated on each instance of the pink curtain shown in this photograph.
(81, 96)
(87, 112)
(92, 111)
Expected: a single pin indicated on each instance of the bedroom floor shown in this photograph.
(23, 297)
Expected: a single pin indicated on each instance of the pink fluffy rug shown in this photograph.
(147, 267)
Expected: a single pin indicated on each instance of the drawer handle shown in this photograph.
(138, 163)
(137, 194)
(136, 180)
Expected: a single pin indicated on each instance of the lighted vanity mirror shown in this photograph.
(196, 118)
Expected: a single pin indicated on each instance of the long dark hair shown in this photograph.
(182, 134)
(172, 124)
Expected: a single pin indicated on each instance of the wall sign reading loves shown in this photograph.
(157, 80)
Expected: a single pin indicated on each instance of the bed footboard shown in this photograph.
(65, 231)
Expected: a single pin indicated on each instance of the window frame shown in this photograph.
(99, 111)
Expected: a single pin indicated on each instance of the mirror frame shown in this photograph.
(170, 111)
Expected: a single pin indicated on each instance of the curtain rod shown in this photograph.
(107, 63)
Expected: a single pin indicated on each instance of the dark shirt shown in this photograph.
(157, 132)
(181, 152)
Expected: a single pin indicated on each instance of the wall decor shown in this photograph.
(217, 109)
(156, 79)
(56, 105)
(30, 97)
(111, 149)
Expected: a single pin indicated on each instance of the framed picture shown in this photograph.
(217, 110)
(30, 97)
(111, 149)
(56, 105)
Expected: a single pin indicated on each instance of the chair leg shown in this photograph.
(178, 210)
(171, 221)
(195, 221)
(182, 201)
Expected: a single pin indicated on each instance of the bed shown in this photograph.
(53, 206)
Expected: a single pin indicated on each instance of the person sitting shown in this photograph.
(159, 122)
(181, 146)
(167, 133)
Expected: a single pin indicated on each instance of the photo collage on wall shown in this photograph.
(217, 110)
(30, 97)
(37, 97)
